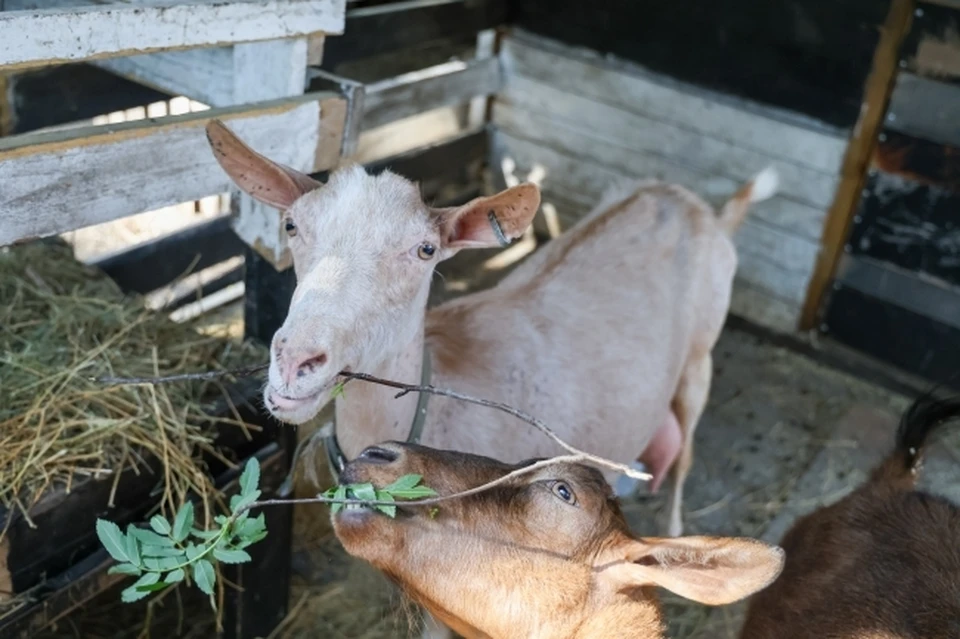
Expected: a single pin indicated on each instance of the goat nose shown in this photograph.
(303, 366)
(378, 455)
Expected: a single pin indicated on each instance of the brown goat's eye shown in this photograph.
(289, 227)
(564, 492)
(426, 250)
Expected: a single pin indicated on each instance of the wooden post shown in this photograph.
(6, 105)
(859, 151)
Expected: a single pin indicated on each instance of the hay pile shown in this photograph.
(62, 324)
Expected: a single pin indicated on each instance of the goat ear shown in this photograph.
(262, 179)
(709, 570)
(476, 223)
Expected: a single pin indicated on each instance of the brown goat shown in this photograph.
(546, 555)
(882, 563)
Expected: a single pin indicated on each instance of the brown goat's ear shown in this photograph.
(262, 179)
(709, 570)
(491, 221)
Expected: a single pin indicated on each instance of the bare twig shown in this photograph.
(582, 457)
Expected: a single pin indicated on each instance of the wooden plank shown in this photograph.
(893, 285)
(79, 177)
(762, 308)
(538, 110)
(394, 26)
(204, 75)
(453, 83)
(57, 35)
(856, 158)
(630, 88)
(909, 224)
(932, 48)
(897, 336)
(7, 113)
(769, 259)
(803, 56)
(157, 263)
(925, 108)
(785, 213)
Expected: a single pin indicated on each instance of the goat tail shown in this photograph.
(925, 416)
(763, 186)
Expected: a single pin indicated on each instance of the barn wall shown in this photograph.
(579, 122)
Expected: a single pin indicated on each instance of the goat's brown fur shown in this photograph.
(882, 563)
(520, 560)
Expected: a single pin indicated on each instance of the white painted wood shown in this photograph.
(204, 75)
(787, 214)
(65, 180)
(448, 84)
(770, 260)
(486, 47)
(657, 97)
(536, 109)
(263, 71)
(764, 309)
(925, 108)
(47, 36)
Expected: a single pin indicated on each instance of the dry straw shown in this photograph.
(63, 324)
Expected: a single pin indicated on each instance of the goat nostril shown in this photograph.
(307, 366)
(378, 455)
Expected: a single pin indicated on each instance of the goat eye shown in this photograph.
(290, 227)
(563, 491)
(426, 250)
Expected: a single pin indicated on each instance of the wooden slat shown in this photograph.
(534, 109)
(925, 108)
(932, 48)
(205, 75)
(628, 87)
(449, 84)
(857, 158)
(64, 180)
(769, 259)
(56, 35)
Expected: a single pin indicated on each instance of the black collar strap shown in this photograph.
(335, 457)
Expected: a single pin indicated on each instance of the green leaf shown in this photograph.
(251, 527)
(112, 539)
(152, 587)
(133, 593)
(244, 500)
(204, 575)
(204, 534)
(221, 519)
(404, 483)
(160, 525)
(339, 493)
(250, 478)
(133, 546)
(183, 522)
(338, 391)
(151, 538)
(161, 551)
(231, 556)
(161, 564)
(389, 511)
(364, 492)
(175, 576)
(418, 492)
(193, 552)
(124, 569)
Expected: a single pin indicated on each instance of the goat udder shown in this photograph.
(662, 450)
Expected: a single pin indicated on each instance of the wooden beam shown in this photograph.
(925, 108)
(7, 113)
(204, 75)
(448, 84)
(63, 180)
(857, 157)
(64, 34)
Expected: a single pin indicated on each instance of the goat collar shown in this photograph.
(335, 457)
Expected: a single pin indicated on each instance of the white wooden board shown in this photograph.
(64, 34)
(662, 99)
(65, 180)
(527, 105)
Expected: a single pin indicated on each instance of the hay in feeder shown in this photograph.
(63, 324)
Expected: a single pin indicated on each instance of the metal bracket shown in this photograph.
(353, 92)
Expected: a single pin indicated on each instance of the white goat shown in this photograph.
(605, 334)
